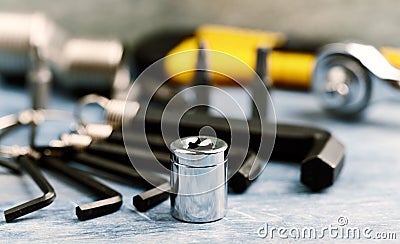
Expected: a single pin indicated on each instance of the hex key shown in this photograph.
(118, 153)
(155, 141)
(15, 169)
(48, 192)
(111, 203)
(241, 180)
(113, 167)
(151, 198)
(320, 153)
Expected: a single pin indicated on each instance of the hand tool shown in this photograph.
(151, 198)
(27, 157)
(345, 73)
(39, 78)
(239, 182)
(114, 110)
(115, 152)
(77, 64)
(14, 168)
(109, 157)
(111, 200)
(290, 64)
(259, 110)
(20, 34)
(119, 170)
(24, 157)
(92, 65)
(112, 166)
(118, 162)
(202, 78)
(198, 179)
(321, 155)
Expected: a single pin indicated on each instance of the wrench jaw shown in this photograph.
(345, 74)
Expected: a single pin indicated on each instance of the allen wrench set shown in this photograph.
(101, 147)
(28, 158)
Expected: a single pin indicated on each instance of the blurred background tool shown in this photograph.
(29, 42)
(289, 66)
(34, 46)
(88, 66)
(259, 108)
(39, 78)
(19, 35)
(346, 73)
(290, 63)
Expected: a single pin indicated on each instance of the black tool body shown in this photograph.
(321, 155)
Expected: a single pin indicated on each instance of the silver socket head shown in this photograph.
(198, 179)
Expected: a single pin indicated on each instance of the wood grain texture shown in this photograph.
(366, 192)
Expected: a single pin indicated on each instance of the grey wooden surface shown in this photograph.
(366, 193)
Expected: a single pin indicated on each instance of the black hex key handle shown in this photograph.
(112, 199)
(116, 168)
(151, 198)
(14, 168)
(48, 197)
(241, 180)
(119, 153)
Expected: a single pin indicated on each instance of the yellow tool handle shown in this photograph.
(286, 69)
(392, 55)
(291, 69)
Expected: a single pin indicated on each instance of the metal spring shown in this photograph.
(116, 111)
(90, 63)
(92, 54)
(119, 110)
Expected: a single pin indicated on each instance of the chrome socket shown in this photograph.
(198, 179)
